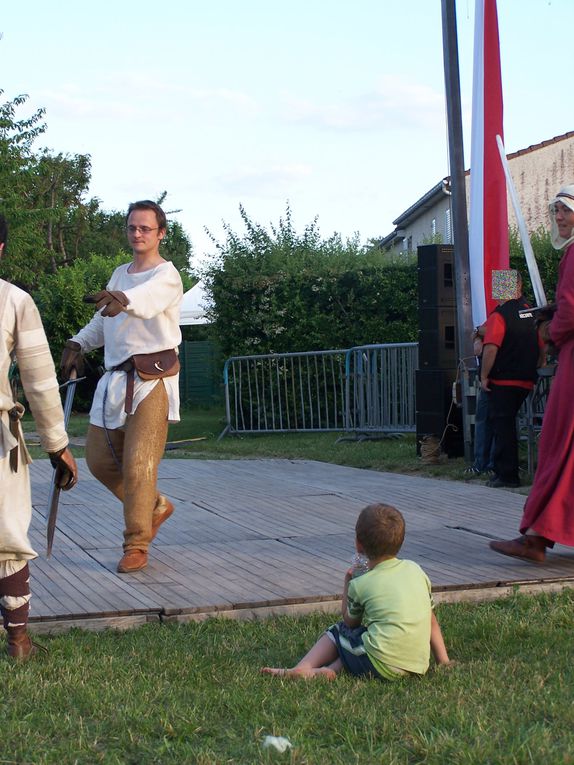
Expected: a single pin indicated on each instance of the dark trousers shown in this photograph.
(503, 406)
(483, 436)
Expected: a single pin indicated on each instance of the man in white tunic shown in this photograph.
(23, 340)
(138, 313)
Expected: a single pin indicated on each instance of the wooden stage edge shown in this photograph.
(252, 539)
(298, 608)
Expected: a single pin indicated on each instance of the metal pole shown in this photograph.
(459, 213)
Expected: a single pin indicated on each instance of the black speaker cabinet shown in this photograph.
(433, 390)
(436, 275)
(437, 338)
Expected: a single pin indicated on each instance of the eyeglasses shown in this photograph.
(141, 229)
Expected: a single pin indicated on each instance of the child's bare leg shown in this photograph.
(322, 659)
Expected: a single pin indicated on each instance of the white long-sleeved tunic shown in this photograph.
(149, 323)
(23, 337)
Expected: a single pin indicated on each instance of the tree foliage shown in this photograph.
(546, 256)
(17, 162)
(279, 291)
(60, 296)
(44, 198)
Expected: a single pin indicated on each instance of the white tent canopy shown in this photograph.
(193, 306)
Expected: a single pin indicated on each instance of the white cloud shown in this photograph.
(132, 97)
(395, 103)
(273, 181)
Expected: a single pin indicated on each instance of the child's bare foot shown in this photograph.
(279, 671)
(304, 673)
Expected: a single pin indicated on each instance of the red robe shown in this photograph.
(549, 509)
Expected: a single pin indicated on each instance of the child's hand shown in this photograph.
(447, 664)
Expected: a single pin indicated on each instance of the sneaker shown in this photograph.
(472, 472)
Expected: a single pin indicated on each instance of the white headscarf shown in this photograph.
(566, 196)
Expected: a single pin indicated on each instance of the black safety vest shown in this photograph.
(517, 358)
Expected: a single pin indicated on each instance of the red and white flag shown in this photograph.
(488, 223)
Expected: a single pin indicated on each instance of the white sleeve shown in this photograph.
(164, 290)
(92, 335)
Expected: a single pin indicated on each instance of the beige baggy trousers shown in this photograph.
(139, 447)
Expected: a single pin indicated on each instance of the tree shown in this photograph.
(17, 163)
(61, 181)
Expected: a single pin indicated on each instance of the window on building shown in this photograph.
(433, 227)
(447, 228)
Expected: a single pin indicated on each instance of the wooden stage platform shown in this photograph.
(253, 537)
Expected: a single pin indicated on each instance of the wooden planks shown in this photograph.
(264, 536)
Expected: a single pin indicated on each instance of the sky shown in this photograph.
(334, 108)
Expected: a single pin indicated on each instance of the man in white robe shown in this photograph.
(23, 339)
(138, 313)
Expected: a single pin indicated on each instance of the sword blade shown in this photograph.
(54, 496)
(53, 502)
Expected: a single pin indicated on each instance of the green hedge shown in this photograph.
(282, 292)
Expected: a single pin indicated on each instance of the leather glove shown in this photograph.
(112, 302)
(72, 359)
(66, 469)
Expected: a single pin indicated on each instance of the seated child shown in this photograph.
(388, 628)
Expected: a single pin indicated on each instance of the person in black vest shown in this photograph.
(511, 355)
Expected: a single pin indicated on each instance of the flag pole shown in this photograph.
(459, 213)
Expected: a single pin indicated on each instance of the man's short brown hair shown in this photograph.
(147, 204)
(380, 530)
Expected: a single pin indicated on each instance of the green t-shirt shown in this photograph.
(394, 602)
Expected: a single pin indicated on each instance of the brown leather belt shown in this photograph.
(129, 369)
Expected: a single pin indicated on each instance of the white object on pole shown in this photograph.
(539, 295)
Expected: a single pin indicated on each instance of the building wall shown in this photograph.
(537, 176)
(422, 231)
(537, 173)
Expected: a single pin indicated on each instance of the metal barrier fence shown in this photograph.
(367, 389)
(380, 385)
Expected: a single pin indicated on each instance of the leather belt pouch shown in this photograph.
(151, 366)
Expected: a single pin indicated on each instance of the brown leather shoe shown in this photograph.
(527, 547)
(133, 560)
(163, 509)
(20, 645)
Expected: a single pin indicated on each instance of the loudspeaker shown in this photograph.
(433, 390)
(436, 275)
(434, 410)
(437, 338)
(437, 307)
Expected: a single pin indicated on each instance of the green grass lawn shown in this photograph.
(193, 694)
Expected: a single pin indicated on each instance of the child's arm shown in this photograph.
(349, 621)
(438, 647)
